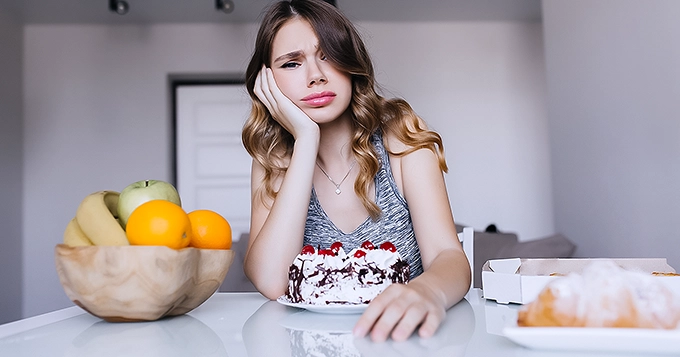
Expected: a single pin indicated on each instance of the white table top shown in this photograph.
(247, 324)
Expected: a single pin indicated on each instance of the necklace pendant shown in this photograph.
(338, 191)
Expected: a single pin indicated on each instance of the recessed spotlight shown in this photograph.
(226, 6)
(119, 7)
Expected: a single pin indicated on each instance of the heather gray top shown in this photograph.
(393, 225)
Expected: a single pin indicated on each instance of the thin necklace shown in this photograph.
(337, 185)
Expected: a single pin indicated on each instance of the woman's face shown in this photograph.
(305, 76)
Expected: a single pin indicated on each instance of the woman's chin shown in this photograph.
(324, 116)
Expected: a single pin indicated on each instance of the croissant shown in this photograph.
(604, 295)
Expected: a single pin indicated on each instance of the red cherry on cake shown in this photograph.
(359, 254)
(308, 249)
(326, 252)
(335, 247)
(388, 246)
(367, 245)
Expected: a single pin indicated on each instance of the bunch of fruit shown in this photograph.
(145, 213)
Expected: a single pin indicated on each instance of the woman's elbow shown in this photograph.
(264, 283)
(269, 290)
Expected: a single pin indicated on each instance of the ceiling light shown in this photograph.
(119, 7)
(226, 6)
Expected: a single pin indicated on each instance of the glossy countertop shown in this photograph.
(247, 324)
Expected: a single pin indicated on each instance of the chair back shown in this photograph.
(467, 238)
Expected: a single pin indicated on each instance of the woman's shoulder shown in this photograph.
(413, 145)
(393, 143)
(396, 137)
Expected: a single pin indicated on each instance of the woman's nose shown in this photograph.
(316, 75)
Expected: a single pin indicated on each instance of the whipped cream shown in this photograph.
(341, 278)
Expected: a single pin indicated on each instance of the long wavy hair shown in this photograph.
(271, 145)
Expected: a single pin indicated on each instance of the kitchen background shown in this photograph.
(557, 116)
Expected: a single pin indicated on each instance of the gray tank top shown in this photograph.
(393, 225)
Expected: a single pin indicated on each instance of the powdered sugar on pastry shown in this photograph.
(604, 295)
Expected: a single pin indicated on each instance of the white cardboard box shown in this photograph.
(521, 280)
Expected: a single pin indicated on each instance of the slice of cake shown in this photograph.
(330, 276)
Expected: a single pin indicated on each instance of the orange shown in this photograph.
(209, 230)
(159, 222)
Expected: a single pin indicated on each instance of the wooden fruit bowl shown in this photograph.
(140, 283)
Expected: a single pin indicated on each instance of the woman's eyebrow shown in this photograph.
(289, 56)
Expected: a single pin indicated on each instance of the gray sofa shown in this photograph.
(500, 245)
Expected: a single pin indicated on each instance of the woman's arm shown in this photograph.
(428, 200)
(400, 309)
(277, 227)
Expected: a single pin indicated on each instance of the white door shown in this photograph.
(213, 168)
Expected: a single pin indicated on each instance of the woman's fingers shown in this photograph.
(281, 108)
(267, 84)
(373, 313)
(263, 92)
(284, 109)
(272, 86)
(383, 314)
(266, 90)
(400, 317)
(398, 312)
(431, 323)
(388, 319)
(258, 88)
(413, 316)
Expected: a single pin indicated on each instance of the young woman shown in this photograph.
(335, 161)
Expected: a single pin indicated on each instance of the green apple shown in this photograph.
(140, 192)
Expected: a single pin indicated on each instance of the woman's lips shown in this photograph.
(319, 99)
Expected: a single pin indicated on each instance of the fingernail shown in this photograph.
(359, 332)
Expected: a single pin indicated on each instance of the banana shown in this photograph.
(96, 216)
(74, 236)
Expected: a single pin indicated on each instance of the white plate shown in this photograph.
(596, 339)
(325, 309)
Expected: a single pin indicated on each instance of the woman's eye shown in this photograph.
(290, 65)
(323, 57)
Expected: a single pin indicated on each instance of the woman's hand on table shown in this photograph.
(399, 310)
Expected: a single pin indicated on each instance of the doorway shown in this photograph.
(212, 167)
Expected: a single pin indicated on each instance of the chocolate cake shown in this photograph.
(330, 276)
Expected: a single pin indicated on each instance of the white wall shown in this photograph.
(11, 134)
(96, 117)
(614, 82)
(482, 86)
